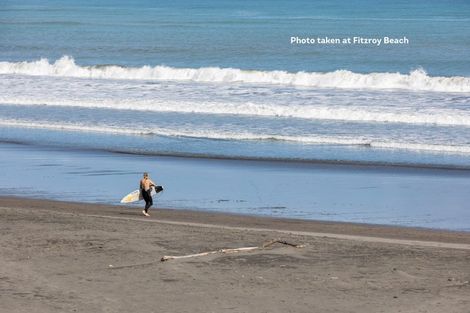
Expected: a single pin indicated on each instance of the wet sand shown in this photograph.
(433, 198)
(74, 257)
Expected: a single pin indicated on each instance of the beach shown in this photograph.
(314, 156)
(75, 257)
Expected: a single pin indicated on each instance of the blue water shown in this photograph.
(222, 79)
(240, 34)
(226, 75)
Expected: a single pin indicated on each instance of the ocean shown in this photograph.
(224, 79)
(221, 78)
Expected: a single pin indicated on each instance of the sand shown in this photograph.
(73, 257)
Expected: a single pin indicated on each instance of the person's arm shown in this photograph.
(152, 183)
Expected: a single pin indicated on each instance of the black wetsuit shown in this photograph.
(147, 197)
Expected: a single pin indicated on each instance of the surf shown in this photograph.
(415, 80)
(438, 116)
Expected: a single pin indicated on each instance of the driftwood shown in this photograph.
(232, 250)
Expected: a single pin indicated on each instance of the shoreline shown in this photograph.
(371, 195)
(332, 229)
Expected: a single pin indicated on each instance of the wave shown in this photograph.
(210, 134)
(156, 131)
(416, 80)
(443, 117)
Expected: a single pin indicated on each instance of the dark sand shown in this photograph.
(72, 257)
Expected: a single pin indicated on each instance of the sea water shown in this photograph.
(222, 77)
(228, 79)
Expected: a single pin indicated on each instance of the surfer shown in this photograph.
(146, 185)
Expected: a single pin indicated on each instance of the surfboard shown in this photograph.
(135, 196)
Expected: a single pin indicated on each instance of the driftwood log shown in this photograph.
(231, 250)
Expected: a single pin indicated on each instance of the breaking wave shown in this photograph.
(416, 80)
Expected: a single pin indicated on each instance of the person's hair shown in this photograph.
(146, 174)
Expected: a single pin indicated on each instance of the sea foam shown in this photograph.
(416, 80)
(306, 112)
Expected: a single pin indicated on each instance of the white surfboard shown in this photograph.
(135, 196)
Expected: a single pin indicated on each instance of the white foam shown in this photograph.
(415, 80)
(226, 135)
(440, 116)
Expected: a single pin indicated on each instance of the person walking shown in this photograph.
(146, 185)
